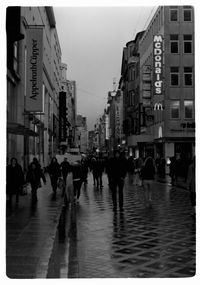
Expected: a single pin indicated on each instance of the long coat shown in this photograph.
(14, 179)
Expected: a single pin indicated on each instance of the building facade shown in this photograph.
(33, 84)
(82, 135)
(161, 119)
(167, 48)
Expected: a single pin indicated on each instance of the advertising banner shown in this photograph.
(34, 62)
(157, 64)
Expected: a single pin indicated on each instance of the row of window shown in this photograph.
(175, 76)
(174, 14)
(188, 109)
(187, 44)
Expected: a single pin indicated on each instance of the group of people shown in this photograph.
(16, 179)
(116, 167)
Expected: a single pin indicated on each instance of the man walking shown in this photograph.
(117, 172)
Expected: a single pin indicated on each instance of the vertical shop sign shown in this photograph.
(34, 97)
(158, 64)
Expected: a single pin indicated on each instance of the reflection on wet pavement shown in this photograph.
(139, 242)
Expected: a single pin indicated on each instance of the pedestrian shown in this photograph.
(172, 170)
(100, 165)
(84, 165)
(191, 186)
(55, 173)
(148, 175)
(65, 167)
(14, 180)
(138, 167)
(33, 177)
(77, 173)
(35, 160)
(94, 170)
(117, 166)
(131, 169)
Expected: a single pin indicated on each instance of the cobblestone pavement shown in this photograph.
(139, 242)
(30, 234)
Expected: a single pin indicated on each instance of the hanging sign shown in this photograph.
(34, 62)
(158, 64)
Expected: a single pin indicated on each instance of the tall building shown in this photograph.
(33, 84)
(115, 119)
(67, 114)
(163, 101)
(167, 49)
(82, 135)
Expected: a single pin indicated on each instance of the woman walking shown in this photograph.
(33, 177)
(147, 175)
(14, 180)
(54, 172)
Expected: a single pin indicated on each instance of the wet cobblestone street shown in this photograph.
(139, 242)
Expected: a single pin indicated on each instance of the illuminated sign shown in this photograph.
(158, 63)
(158, 106)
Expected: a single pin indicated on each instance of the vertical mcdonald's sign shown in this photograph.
(34, 62)
(158, 64)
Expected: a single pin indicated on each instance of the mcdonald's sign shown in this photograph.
(158, 106)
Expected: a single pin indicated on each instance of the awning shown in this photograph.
(18, 129)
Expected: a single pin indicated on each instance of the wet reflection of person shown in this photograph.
(118, 170)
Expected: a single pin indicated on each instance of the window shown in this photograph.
(173, 14)
(187, 43)
(187, 14)
(175, 109)
(132, 73)
(188, 107)
(174, 76)
(174, 44)
(131, 98)
(188, 78)
(16, 56)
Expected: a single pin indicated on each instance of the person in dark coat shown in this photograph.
(33, 177)
(78, 177)
(147, 175)
(100, 165)
(14, 180)
(35, 160)
(54, 173)
(84, 165)
(117, 169)
(65, 168)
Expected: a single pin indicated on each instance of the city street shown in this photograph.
(157, 242)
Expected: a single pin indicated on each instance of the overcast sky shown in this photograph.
(92, 41)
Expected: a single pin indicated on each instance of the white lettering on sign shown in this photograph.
(158, 58)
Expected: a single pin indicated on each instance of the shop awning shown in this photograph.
(19, 129)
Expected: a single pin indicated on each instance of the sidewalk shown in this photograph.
(180, 181)
(30, 234)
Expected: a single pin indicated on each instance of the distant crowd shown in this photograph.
(141, 172)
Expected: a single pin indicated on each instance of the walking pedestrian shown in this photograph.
(35, 160)
(77, 172)
(191, 186)
(100, 165)
(94, 170)
(55, 173)
(14, 180)
(84, 165)
(131, 169)
(138, 167)
(33, 177)
(117, 166)
(147, 175)
(65, 167)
